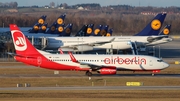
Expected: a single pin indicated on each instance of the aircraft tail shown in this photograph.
(97, 31)
(55, 27)
(165, 30)
(59, 29)
(52, 28)
(82, 31)
(67, 30)
(43, 28)
(60, 19)
(153, 28)
(89, 29)
(22, 45)
(109, 33)
(104, 30)
(35, 28)
(39, 23)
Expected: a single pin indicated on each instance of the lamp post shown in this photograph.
(153, 50)
(159, 51)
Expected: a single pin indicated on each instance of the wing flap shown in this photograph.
(88, 44)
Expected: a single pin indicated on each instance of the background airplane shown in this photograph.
(103, 64)
(38, 24)
(120, 42)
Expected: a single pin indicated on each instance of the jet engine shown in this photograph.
(84, 48)
(107, 71)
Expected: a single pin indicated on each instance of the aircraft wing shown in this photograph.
(92, 66)
(152, 39)
(13, 54)
(89, 44)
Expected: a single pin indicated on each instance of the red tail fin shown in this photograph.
(22, 45)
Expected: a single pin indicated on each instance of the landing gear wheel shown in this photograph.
(88, 73)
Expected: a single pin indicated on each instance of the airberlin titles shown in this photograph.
(127, 61)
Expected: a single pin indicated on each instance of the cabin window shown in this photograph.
(159, 60)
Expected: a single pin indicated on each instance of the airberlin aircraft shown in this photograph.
(103, 64)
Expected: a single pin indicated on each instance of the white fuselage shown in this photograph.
(120, 42)
(121, 62)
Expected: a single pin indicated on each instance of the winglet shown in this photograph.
(112, 40)
(73, 59)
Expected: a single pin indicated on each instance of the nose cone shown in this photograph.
(165, 65)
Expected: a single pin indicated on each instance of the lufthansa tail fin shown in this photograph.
(43, 28)
(89, 29)
(37, 25)
(59, 21)
(109, 33)
(153, 28)
(67, 30)
(82, 31)
(60, 29)
(97, 30)
(35, 28)
(22, 45)
(52, 29)
(165, 30)
(104, 30)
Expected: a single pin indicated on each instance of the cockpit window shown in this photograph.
(159, 60)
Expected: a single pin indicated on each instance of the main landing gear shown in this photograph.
(88, 73)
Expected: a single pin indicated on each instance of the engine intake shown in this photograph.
(107, 71)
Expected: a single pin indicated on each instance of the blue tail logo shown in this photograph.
(104, 30)
(89, 29)
(38, 24)
(97, 30)
(56, 27)
(153, 28)
(67, 30)
(166, 30)
(109, 33)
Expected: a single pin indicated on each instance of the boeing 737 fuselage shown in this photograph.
(103, 64)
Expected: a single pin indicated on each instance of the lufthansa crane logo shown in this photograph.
(68, 31)
(156, 24)
(108, 34)
(103, 32)
(41, 21)
(43, 27)
(60, 29)
(60, 21)
(36, 27)
(53, 28)
(89, 31)
(166, 31)
(96, 31)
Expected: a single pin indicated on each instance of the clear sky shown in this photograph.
(155, 3)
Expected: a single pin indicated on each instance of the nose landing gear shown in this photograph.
(88, 73)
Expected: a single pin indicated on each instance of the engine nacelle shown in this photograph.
(107, 71)
(84, 48)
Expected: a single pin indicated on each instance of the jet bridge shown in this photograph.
(40, 42)
(134, 48)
